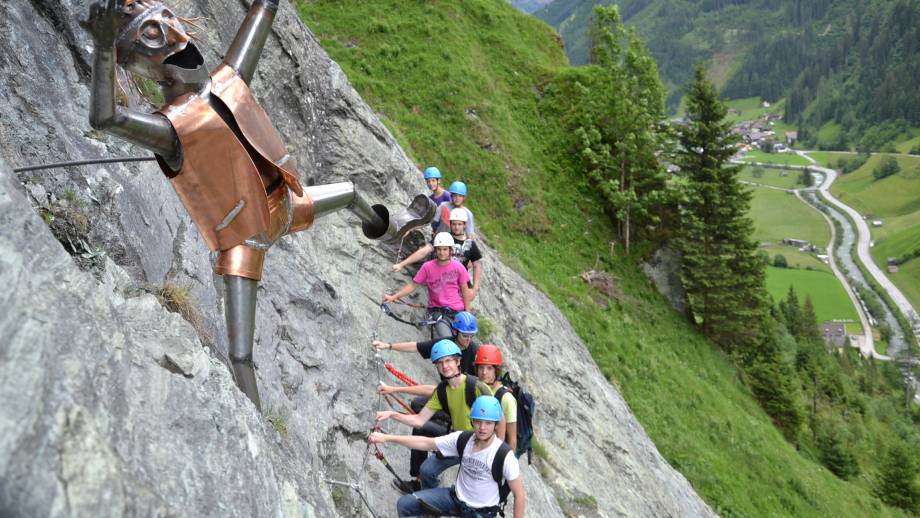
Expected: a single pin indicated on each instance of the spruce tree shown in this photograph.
(620, 131)
(791, 312)
(835, 455)
(773, 382)
(809, 322)
(896, 484)
(721, 272)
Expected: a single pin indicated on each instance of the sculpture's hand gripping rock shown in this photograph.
(220, 150)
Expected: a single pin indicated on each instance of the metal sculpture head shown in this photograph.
(154, 43)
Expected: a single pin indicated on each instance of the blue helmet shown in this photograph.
(432, 172)
(486, 408)
(465, 322)
(458, 188)
(443, 348)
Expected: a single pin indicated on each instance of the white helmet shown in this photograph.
(443, 239)
(458, 215)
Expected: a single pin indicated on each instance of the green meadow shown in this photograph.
(758, 156)
(782, 178)
(779, 214)
(829, 297)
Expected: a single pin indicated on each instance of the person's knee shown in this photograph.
(407, 506)
(417, 403)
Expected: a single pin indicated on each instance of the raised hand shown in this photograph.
(104, 20)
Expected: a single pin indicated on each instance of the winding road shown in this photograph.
(866, 342)
(862, 245)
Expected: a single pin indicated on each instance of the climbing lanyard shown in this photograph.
(409, 382)
(379, 454)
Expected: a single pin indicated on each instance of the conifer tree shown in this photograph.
(896, 484)
(791, 312)
(773, 382)
(620, 132)
(809, 322)
(834, 454)
(721, 272)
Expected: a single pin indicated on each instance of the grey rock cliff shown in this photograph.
(115, 406)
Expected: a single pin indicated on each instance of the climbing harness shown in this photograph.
(57, 165)
(390, 313)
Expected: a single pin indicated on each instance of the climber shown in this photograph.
(457, 198)
(488, 471)
(448, 285)
(464, 250)
(220, 150)
(464, 328)
(438, 193)
(489, 370)
(454, 395)
(464, 333)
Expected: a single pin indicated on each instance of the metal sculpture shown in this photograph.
(220, 150)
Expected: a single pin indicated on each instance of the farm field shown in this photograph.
(830, 158)
(828, 295)
(751, 108)
(796, 259)
(756, 155)
(785, 179)
(778, 215)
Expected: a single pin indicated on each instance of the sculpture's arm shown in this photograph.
(150, 131)
(243, 54)
(376, 220)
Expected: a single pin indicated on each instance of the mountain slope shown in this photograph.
(849, 62)
(483, 93)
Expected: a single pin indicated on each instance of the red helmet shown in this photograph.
(488, 354)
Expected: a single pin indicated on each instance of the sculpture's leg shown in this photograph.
(241, 325)
(241, 268)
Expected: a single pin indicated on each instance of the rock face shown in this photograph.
(113, 405)
(663, 269)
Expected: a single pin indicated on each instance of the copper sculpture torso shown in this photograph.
(221, 182)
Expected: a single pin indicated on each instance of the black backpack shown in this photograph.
(441, 393)
(498, 464)
(526, 407)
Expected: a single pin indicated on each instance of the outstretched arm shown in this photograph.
(415, 442)
(416, 256)
(243, 54)
(405, 290)
(148, 130)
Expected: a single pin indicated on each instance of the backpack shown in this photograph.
(498, 464)
(441, 393)
(526, 408)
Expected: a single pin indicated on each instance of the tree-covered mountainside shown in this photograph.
(853, 63)
(484, 92)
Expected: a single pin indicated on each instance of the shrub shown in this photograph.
(779, 261)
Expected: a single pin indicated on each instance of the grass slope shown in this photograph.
(474, 87)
